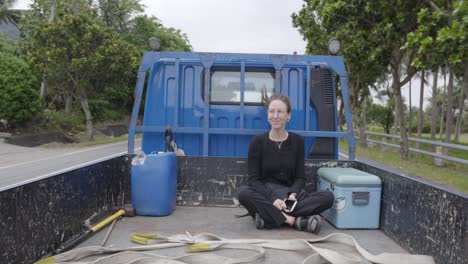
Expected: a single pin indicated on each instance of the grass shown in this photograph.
(462, 154)
(450, 174)
(463, 140)
(99, 139)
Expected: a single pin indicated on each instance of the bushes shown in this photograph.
(19, 98)
(59, 120)
(426, 129)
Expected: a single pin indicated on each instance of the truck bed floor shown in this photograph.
(221, 222)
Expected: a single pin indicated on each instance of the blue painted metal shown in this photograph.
(242, 97)
(178, 89)
(136, 108)
(348, 117)
(307, 112)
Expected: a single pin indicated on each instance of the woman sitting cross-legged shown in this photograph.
(276, 172)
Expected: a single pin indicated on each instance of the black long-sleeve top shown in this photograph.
(269, 163)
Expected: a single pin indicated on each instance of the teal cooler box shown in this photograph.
(357, 197)
(154, 183)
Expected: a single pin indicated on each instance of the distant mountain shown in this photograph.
(10, 30)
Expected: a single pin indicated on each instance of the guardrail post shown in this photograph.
(438, 161)
(383, 146)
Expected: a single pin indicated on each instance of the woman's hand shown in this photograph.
(278, 203)
(292, 196)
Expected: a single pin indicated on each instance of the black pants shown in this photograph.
(307, 204)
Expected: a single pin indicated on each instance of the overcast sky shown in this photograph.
(252, 26)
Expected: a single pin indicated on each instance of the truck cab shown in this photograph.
(211, 102)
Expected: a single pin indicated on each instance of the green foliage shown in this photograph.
(59, 120)
(382, 115)
(80, 46)
(6, 14)
(19, 99)
(356, 25)
(7, 45)
(427, 128)
(117, 13)
(144, 27)
(441, 35)
(81, 56)
(88, 49)
(112, 103)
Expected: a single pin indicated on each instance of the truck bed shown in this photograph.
(42, 216)
(221, 221)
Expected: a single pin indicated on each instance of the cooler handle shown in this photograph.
(360, 198)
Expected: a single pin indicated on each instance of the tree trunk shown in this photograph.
(410, 110)
(355, 99)
(404, 152)
(352, 88)
(403, 134)
(51, 17)
(442, 107)
(421, 110)
(388, 116)
(362, 125)
(88, 116)
(68, 103)
(341, 117)
(441, 121)
(43, 93)
(396, 122)
(434, 105)
(461, 104)
(449, 121)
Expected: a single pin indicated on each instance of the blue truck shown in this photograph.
(209, 105)
(211, 102)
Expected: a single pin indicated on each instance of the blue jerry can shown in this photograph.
(154, 184)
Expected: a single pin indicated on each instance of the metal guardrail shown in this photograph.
(438, 155)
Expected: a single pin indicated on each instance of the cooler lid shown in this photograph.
(349, 176)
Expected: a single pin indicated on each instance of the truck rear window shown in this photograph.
(225, 86)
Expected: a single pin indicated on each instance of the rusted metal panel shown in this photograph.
(422, 217)
(38, 217)
(213, 181)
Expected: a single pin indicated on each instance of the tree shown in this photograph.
(318, 21)
(117, 14)
(19, 100)
(40, 14)
(373, 33)
(385, 116)
(77, 51)
(434, 103)
(441, 39)
(421, 102)
(410, 107)
(382, 115)
(463, 95)
(144, 27)
(398, 21)
(8, 15)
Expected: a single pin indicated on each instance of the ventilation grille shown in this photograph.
(327, 86)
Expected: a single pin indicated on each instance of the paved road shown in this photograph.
(21, 165)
